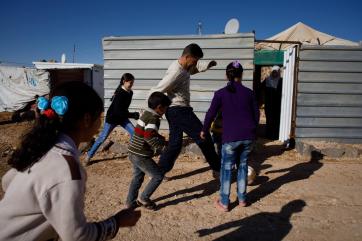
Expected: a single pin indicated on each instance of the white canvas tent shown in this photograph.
(19, 85)
(304, 34)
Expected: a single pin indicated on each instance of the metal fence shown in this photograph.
(148, 58)
(329, 99)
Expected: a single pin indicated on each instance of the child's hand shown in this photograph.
(202, 135)
(212, 64)
(127, 217)
(135, 115)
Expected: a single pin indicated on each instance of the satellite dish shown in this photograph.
(63, 59)
(232, 26)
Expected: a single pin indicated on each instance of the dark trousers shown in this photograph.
(142, 165)
(272, 112)
(183, 119)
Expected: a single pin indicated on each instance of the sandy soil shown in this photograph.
(292, 198)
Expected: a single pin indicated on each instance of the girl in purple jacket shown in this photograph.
(240, 114)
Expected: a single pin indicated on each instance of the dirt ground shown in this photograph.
(292, 198)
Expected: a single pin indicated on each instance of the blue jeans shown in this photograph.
(231, 153)
(107, 129)
(180, 120)
(142, 166)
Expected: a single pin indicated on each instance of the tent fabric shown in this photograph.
(18, 86)
(306, 35)
(268, 57)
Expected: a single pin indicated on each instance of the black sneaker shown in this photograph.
(216, 174)
(133, 205)
(147, 204)
(167, 179)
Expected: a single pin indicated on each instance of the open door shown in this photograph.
(287, 101)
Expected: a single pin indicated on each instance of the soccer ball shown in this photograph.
(251, 175)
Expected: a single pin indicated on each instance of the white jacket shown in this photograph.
(47, 200)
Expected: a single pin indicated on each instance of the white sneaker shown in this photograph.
(87, 161)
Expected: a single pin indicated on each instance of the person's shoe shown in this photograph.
(133, 205)
(87, 161)
(147, 204)
(216, 174)
(167, 179)
(221, 206)
(242, 203)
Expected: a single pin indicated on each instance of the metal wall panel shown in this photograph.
(148, 58)
(287, 94)
(329, 101)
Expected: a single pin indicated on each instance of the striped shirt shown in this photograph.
(146, 141)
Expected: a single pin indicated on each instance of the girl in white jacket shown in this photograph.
(44, 190)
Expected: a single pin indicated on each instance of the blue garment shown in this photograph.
(231, 153)
(107, 129)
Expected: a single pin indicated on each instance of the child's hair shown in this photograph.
(233, 70)
(81, 100)
(125, 78)
(158, 98)
(193, 50)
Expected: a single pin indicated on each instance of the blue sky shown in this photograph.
(35, 30)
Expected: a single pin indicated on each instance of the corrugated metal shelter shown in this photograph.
(329, 99)
(148, 58)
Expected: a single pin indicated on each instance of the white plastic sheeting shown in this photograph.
(287, 94)
(19, 85)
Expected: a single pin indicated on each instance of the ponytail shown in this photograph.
(36, 143)
(233, 70)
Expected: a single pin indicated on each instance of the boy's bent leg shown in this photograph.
(102, 137)
(153, 170)
(193, 128)
(137, 180)
(168, 158)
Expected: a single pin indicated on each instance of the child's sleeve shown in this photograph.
(63, 207)
(255, 107)
(212, 112)
(167, 83)
(201, 66)
(153, 138)
(121, 108)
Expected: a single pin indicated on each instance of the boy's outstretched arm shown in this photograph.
(168, 81)
(202, 66)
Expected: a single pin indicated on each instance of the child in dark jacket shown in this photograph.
(117, 113)
(145, 144)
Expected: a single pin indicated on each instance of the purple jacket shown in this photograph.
(240, 113)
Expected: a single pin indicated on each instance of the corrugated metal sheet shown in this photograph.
(148, 58)
(287, 94)
(329, 101)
